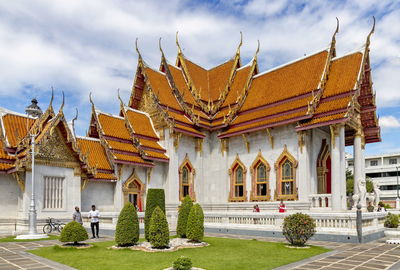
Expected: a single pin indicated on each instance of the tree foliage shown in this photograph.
(391, 221)
(183, 216)
(195, 224)
(155, 197)
(127, 231)
(158, 231)
(182, 263)
(298, 228)
(73, 232)
(350, 183)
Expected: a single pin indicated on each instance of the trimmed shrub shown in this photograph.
(155, 197)
(183, 216)
(195, 224)
(298, 228)
(159, 231)
(127, 231)
(73, 232)
(391, 221)
(182, 263)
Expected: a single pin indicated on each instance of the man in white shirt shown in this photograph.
(94, 220)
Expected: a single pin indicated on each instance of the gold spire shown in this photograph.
(73, 122)
(240, 44)
(137, 49)
(177, 43)
(63, 102)
(367, 43)
(333, 42)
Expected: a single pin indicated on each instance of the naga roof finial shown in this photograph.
(63, 102)
(73, 121)
(370, 34)
(177, 43)
(240, 43)
(52, 97)
(258, 49)
(137, 49)
(119, 98)
(90, 100)
(333, 42)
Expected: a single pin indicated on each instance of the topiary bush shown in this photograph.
(73, 232)
(155, 197)
(183, 216)
(182, 263)
(127, 231)
(391, 221)
(159, 231)
(298, 228)
(195, 224)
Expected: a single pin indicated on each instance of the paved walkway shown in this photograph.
(371, 256)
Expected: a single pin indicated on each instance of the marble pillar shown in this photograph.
(359, 164)
(338, 173)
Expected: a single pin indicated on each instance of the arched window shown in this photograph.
(186, 179)
(260, 179)
(133, 190)
(237, 174)
(286, 177)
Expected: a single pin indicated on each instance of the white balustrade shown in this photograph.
(320, 200)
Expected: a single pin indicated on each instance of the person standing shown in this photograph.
(94, 221)
(77, 216)
(282, 207)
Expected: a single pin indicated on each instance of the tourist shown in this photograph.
(94, 220)
(256, 208)
(370, 207)
(282, 207)
(77, 216)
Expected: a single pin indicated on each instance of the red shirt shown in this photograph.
(282, 208)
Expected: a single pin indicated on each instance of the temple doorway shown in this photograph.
(133, 190)
(324, 172)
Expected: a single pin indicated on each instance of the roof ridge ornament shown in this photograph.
(52, 97)
(137, 49)
(120, 99)
(63, 102)
(73, 122)
(367, 43)
(240, 44)
(177, 43)
(333, 42)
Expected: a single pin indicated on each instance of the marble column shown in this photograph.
(359, 163)
(338, 173)
(304, 167)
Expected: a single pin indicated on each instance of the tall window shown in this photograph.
(186, 179)
(373, 163)
(237, 174)
(53, 192)
(392, 161)
(260, 179)
(287, 178)
(133, 190)
(285, 167)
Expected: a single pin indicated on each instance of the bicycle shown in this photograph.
(52, 225)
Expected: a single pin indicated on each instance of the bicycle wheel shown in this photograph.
(60, 227)
(47, 228)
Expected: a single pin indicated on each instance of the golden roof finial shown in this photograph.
(159, 45)
(63, 102)
(73, 122)
(137, 49)
(333, 42)
(177, 43)
(120, 99)
(369, 35)
(91, 101)
(52, 97)
(258, 49)
(240, 43)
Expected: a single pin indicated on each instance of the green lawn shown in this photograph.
(223, 253)
(12, 239)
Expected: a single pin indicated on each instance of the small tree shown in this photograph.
(159, 231)
(183, 216)
(182, 263)
(298, 228)
(391, 221)
(73, 232)
(155, 197)
(195, 224)
(127, 231)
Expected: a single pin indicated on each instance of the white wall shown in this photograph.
(100, 194)
(9, 193)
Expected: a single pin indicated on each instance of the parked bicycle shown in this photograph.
(53, 225)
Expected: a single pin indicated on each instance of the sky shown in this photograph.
(88, 46)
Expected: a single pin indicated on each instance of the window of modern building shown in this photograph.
(389, 187)
(373, 163)
(53, 197)
(392, 161)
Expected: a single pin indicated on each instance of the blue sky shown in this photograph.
(88, 46)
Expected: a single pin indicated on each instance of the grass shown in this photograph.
(222, 253)
(12, 239)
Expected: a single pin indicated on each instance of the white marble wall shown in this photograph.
(9, 193)
(100, 194)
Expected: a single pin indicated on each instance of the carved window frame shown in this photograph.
(285, 155)
(232, 175)
(254, 179)
(126, 189)
(191, 174)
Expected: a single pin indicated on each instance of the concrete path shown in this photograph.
(371, 256)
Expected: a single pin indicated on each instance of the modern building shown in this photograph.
(385, 170)
(229, 137)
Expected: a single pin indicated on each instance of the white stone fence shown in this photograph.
(320, 201)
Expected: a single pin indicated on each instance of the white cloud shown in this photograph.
(389, 122)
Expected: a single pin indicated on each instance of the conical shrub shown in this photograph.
(183, 216)
(127, 231)
(158, 231)
(155, 197)
(73, 232)
(195, 224)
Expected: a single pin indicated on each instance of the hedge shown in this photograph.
(127, 231)
(195, 224)
(155, 197)
(158, 231)
(391, 221)
(182, 263)
(73, 232)
(298, 228)
(183, 216)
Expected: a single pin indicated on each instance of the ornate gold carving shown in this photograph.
(148, 174)
(177, 137)
(270, 138)
(224, 145)
(301, 140)
(84, 183)
(334, 133)
(246, 142)
(199, 145)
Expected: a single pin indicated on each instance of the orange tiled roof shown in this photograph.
(3, 153)
(156, 154)
(238, 84)
(16, 127)
(141, 123)
(181, 84)
(6, 166)
(300, 77)
(190, 129)
(122, 146)
(152, 144)
(92, 148)
(113, 126)
(324, 119)
(105, 176)
(129, 158)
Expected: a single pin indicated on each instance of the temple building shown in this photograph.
(229, 137)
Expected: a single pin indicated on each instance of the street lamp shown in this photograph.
(33, 111)
(397, 188)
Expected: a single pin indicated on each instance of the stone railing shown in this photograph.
(320, 200)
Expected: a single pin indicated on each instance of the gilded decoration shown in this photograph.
(279, 166)
(237, 174)
(199, 145)
(133, 190)
(301, 139)
(224, 146)
(187, 173)
(270, 138)
(254, 196)
(246, 142)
